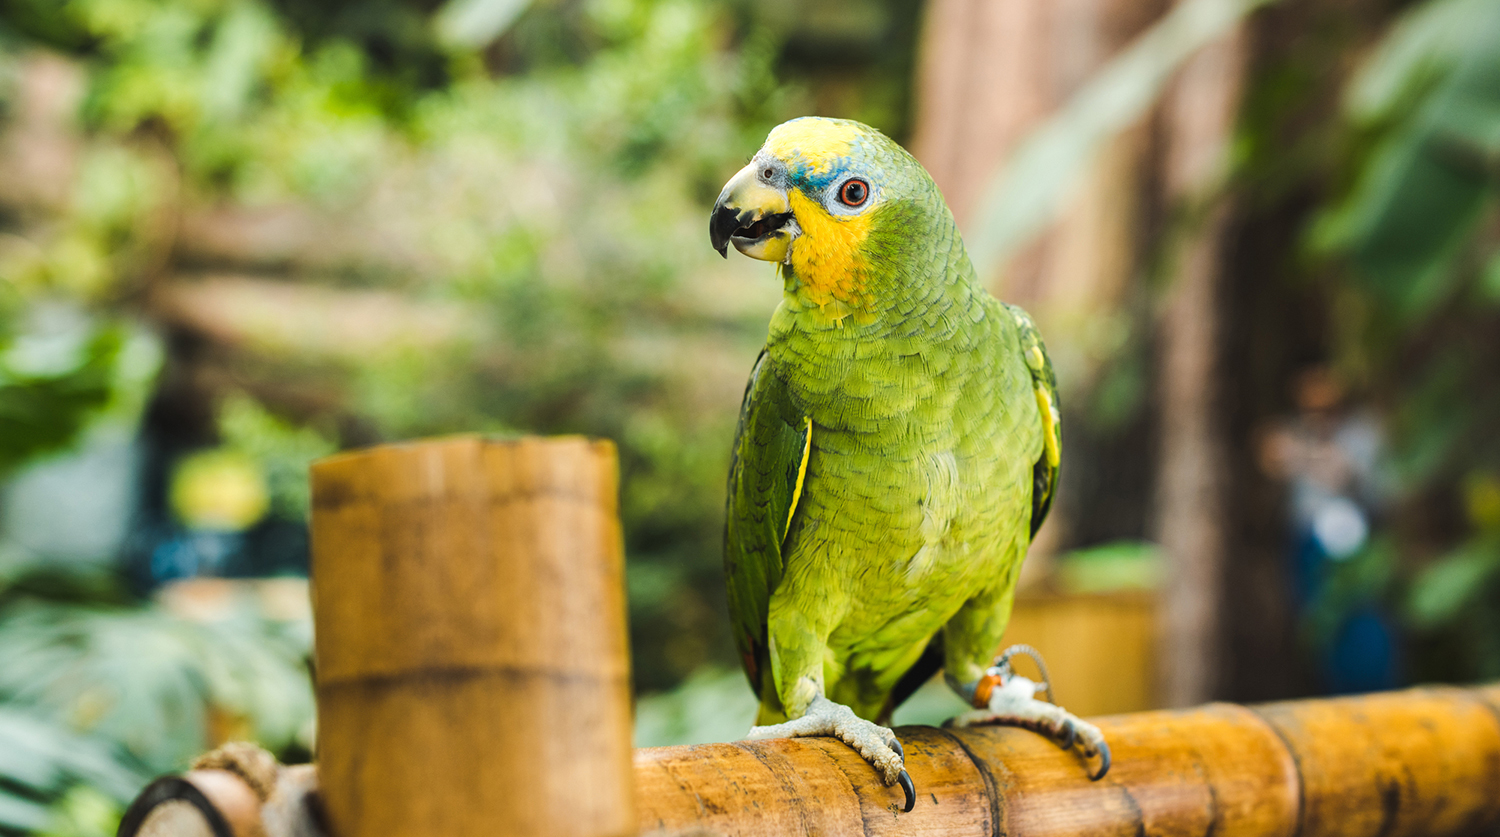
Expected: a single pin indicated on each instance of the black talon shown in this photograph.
(1069, 735)
(1104, 762)
(911, 791)
(896, 745)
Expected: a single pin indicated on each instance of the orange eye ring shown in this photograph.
(854, 192)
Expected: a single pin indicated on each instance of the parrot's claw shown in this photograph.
(911, 791)
(1103, 761)
(1069, 735)
(1007, 708)
(877, 744)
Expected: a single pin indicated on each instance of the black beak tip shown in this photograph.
(721, 225)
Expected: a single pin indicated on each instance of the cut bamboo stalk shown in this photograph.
(471, 655)
(472, 679)
(1418, 763)
(237, 790)
(199, 803)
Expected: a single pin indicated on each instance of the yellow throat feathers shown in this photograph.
(828, 257)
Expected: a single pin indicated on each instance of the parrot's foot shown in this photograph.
(1013, 705)
(877, 744)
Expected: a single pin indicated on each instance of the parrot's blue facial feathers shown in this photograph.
(814, 180)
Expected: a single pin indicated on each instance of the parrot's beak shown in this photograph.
(755, 217)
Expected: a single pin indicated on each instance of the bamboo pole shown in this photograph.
(1421, 762)
(199, 803)
(472, 679)
(246, 795)
(1417, 763)
(471, 656)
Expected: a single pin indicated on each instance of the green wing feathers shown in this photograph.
(1044, 385)
(765, 480)
(766, 476)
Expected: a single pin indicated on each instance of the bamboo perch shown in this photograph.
(472, 666)
(1419, 762)
(472, 679)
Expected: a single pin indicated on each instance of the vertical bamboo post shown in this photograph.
(471, 658)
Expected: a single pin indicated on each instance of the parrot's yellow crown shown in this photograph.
(818, 142)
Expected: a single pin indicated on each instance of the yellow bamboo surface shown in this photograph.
(1417, 763)
(472, 670)
(472, 679)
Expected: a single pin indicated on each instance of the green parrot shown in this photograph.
(898, 447)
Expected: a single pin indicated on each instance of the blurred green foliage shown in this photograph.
(1111, 567)
(43, 404)
(474, 215)
(100, 691)
(551, 208)
(1415, 229)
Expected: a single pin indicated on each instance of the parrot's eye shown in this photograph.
(768, 173)
(854, 192)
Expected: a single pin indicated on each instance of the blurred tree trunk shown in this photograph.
(1192, 512)
(1190, 487)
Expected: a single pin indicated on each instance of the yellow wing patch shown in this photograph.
(1047, 405)
(801, 477)
(1044, 385)
(1051, 439)
(819, 142)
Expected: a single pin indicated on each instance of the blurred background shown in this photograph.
(1260, 238)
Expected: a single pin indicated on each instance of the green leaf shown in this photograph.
(470, 24)
(1028, 192)
(42, 411)
(1425, 187)
(22, 814)
(1411, 219)
(84, 812)
(43, 755)
(1489, 282)
(243, 42)
(1444, 588)
(283, 450)
(711, 705)
(151, 680)
(1118, 565)
(1419, 48)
